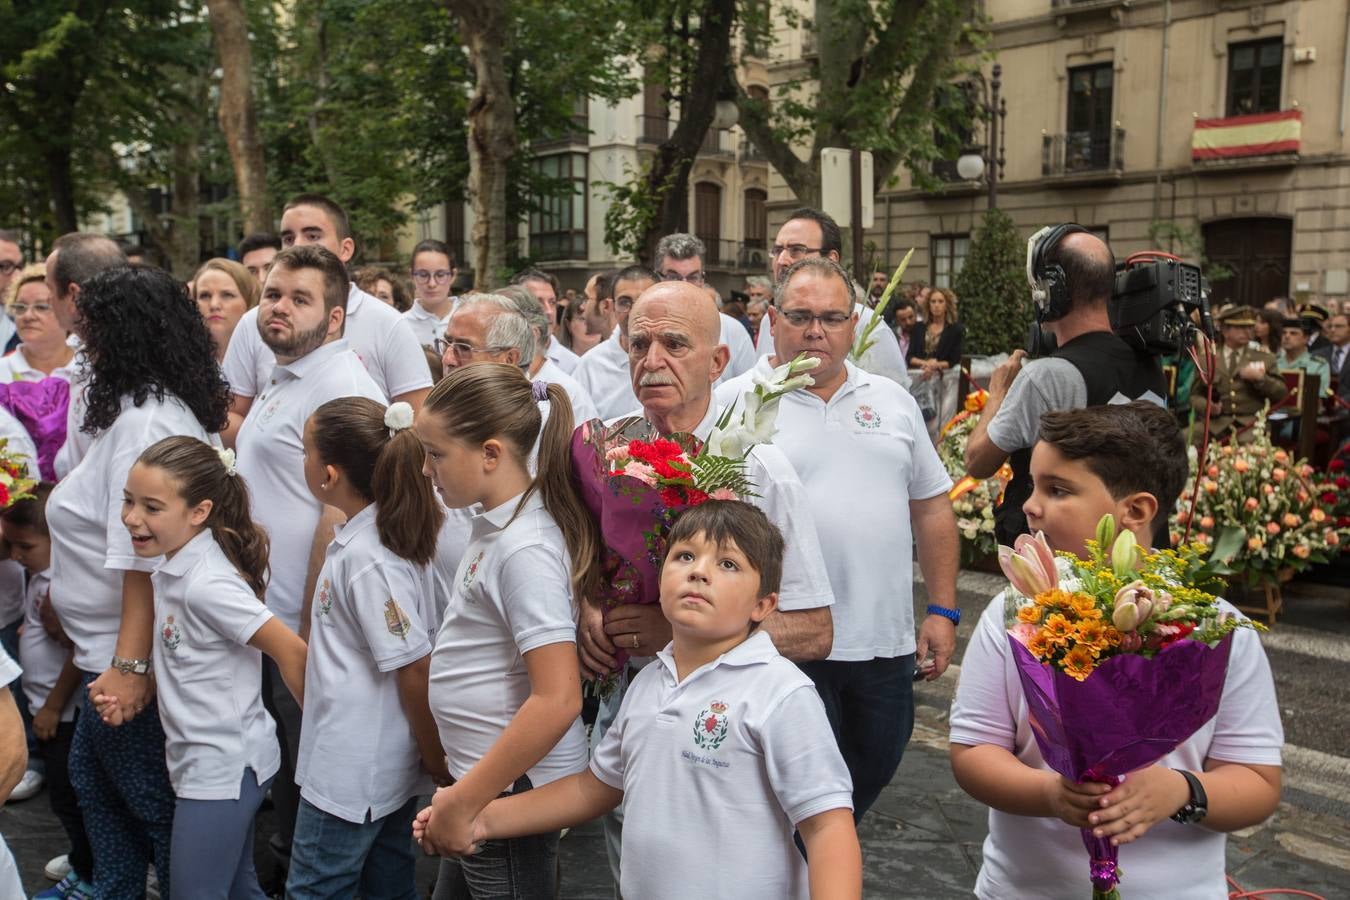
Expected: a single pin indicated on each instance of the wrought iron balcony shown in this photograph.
(1083, 154)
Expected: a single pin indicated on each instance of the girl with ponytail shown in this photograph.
(505, 685)
(368, 744)
(184, 501)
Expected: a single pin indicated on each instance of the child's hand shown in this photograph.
(44, 723)
(419, 829)
(108, 709)
(449, 828)
(1072, 802)
(1142, 800)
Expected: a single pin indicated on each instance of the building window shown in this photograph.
(756, 218)
(558, 222)
(708, 220)
(1087, 139)
(948, 256)
(1254, 70)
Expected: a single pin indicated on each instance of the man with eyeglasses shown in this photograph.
(11, 262)
(603, 372)
(810, 233)
(433, 273)
(679, 257)
(853, 437)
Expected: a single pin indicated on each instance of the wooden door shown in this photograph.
(1256, 252)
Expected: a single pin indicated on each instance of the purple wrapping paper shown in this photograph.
(40, 406)
(1129, 713)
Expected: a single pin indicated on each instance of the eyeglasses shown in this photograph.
(800, 318)
(9, 267)
(692, 277)
(422, 276)
(794, 251)
(462, 348)
(19, 309)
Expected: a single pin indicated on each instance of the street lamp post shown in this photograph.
(989, 163)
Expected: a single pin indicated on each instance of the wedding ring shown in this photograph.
(635, 642)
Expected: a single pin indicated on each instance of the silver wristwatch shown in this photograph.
(131, 666)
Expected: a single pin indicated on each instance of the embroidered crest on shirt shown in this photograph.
(471, 572)
(867, 417)
(710, 728)
(171, 635)
(269, 412)
(396, 620)
(325, 598)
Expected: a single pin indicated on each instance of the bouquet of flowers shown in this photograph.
(1267, 505)
(973, 499)
(1121, 656)
(15, 485)
(634, 482)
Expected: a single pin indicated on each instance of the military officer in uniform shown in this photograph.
(1245, 379)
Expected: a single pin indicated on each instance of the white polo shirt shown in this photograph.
(271, 451)
(583, 410)
(512, 594)
(374, 330)
(77, 442)
(882, 358)
(357, 752)
(91, 548)
(604, 374)
(742, 348)
(451, 542)
(208, 679)
(42, 657)
(561, 356)
(868, 442)
(1043, 857)
(425, 326)
(717, 771)
(783, 501)
(15, 367)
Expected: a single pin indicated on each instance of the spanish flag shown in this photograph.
(1262, 134)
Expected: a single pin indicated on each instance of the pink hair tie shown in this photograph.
(539, 390)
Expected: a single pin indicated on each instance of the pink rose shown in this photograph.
(1277, 474)
(1251, 504)
(1301, 551)
(1240, 465)
(1272, 528)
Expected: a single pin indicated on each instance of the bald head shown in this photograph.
(687, 302)
(1089, 268)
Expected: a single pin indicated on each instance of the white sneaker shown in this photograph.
(57, 868)
(28, 786)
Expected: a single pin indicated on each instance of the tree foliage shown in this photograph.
(995, 301)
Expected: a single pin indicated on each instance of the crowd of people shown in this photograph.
(306, 536)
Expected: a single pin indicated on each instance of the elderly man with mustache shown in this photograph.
(675, 357)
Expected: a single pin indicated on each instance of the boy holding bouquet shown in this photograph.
(720, 749)
(1168, 819)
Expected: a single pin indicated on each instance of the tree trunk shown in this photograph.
(62, 187)
(484, 26)
(238, 114)
(668, 177)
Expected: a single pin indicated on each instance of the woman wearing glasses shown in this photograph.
(43, 351)
(433, 271)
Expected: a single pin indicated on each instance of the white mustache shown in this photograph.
(655, 379)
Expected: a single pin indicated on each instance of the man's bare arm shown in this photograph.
(801, 635)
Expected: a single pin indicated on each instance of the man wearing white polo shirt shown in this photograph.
(374, 331)
(604, 371)
(876, 487)
(300, 320)
(675, 357)
(679, 257)
(545, 289)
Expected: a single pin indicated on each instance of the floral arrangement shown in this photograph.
(1269, 506)
(634, 482)
(973, 499)
(15, 485)
(1122, 656)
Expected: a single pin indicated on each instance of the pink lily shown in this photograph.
(1030, 567)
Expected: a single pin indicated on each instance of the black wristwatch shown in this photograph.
(1195, 809)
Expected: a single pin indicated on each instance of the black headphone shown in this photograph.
(1049, 290)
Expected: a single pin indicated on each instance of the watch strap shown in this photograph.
(129, 666)
(1195, 809)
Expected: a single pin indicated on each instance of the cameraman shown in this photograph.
(1072, 274)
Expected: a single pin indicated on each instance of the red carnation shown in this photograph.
(1342, 482)
(1329, 497)
(1343, 522)
(695, 496)
(1337, 465)
(4, 495)
(672, 497)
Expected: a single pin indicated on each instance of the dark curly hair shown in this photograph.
(144, 336)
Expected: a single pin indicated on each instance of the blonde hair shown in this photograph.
(248, 286)
(950, 296)
(27, 275)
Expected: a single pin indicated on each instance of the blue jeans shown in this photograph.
(524, 868)
(331, 857)
(212, 852)
(870, 705)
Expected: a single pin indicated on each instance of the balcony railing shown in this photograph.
(751, 153)
(1083, 153)
(654, 129)
(718, 142)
